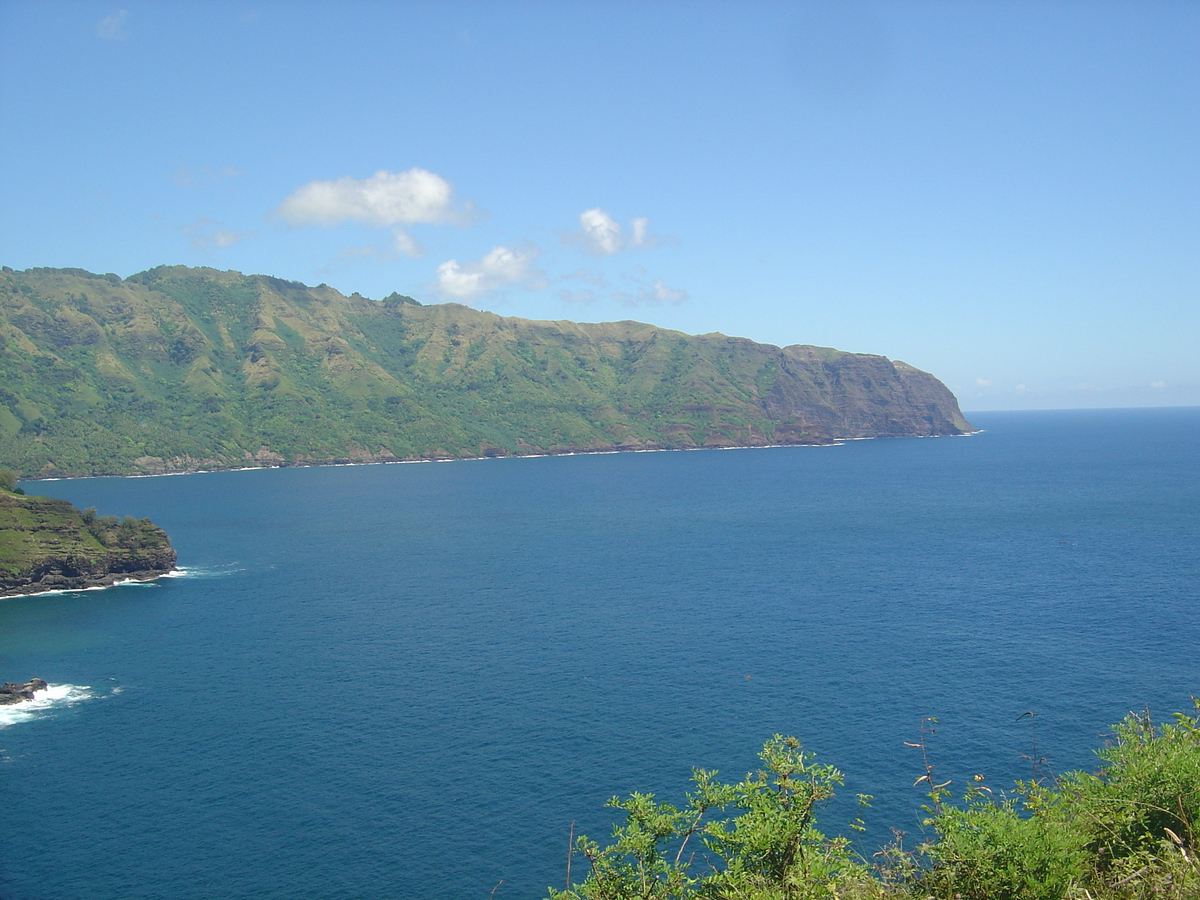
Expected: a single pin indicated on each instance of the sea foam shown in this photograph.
(53, 697)
(203, 571)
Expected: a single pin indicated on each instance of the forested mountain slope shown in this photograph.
(181, 369)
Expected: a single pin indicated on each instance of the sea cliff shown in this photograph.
(47, 544)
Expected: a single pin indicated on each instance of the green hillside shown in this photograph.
(181, 369)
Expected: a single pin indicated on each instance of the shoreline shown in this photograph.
(99, 584)
(393, 461)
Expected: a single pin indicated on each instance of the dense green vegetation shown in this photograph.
(47, 543)
(180, 369)
(1131, 830)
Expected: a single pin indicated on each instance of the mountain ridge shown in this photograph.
(185, 369)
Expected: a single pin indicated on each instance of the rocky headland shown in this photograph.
(47, 544)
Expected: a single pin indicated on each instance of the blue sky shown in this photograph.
(1004, 194)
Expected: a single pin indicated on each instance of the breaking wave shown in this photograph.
(55, 696)
(203, 571)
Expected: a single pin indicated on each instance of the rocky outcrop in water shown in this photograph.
(11, 692)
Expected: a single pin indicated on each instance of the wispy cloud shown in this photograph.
(370, 251)
(587, 276)
(636, 288)
(657, 294)
(601, 235)
(112, 26)
(207, 234)
(189, 177)
(405, 244)
(499, 268)
(583, 297)
(400, 245)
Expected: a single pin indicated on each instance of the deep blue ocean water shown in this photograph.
(408, 681)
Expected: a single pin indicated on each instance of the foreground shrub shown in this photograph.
(770, 851)
(1147, 792)
(986, 851)
(1127, 832)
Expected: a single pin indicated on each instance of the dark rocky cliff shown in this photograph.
(855, 395)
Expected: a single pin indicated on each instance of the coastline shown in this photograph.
(94, 584)
(392, 461)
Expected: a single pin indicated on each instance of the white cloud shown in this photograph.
(601, 235)
(983, 382)
(386, 198)
(639, 227)
(1158, 385)
(112, 26)
(501, 267)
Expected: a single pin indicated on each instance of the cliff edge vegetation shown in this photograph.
(48, 544)
(1129, 831)
(182, 369)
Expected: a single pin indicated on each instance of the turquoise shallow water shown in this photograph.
(408, 681)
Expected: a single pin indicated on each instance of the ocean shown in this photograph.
(414, 681)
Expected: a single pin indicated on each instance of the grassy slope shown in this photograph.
(182, 368)
(47, 543)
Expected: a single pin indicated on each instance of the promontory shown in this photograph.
(183, 369)
(48, 544)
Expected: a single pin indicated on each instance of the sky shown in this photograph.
(1004, 194)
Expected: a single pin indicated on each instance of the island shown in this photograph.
(47, 544)
(11, 692)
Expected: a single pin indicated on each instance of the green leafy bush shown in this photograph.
(1127, 832)
(770, 851)
(1141, 812)
(987, 851)
(8, 481)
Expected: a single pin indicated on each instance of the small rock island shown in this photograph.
(48, 544)
(11, 692)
